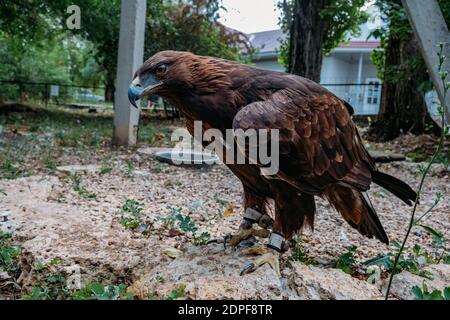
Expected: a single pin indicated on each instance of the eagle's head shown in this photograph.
(173, 74)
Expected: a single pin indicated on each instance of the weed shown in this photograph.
(346, 261)
(175, 294)
(132, 215)
(129, 169)
(412, 262)
(98, 291)
(9, 253)
(424, 294)
(169, 221)
(105, 170)
(298, 254)
(77, 186)
(202, 239)
(175, 220)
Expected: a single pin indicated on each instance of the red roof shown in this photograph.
(361, 44)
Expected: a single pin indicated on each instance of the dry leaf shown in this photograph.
(172, 252)
(229, 211)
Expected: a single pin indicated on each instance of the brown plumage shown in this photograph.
(321, 152)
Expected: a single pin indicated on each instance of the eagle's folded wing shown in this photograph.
(318, 142)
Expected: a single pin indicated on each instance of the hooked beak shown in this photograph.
(137, 90)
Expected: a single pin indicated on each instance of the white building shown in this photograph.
(347, 70)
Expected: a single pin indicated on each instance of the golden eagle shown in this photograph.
(320, 149)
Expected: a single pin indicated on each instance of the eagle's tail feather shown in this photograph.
(356, 208)
(396, 186)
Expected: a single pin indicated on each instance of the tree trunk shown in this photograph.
(403, 108)
(110, 90)
(306, 39)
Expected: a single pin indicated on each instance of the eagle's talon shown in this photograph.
(247, 243)
(247, 268)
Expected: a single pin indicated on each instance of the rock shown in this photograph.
(403, 282)
(4, 276)
(72, 169)
(8, 226)
(379, 156)
(209, 273)
(313, 283)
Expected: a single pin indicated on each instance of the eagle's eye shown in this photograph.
(161, 70)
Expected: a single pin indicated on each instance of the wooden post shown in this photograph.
(430, 29)
(130, 58)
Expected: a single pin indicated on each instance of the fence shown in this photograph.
(71, 95)
(61, 94)
(364, 98)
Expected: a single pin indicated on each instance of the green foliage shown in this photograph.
(202, 239)
(175, 294)
(413, 221)
(298, 253)
(342, 19)
(396, 26)
(176, 220)
(9, 253)
(346, 261)
(98, 291)
(412, 262)
(132, 215)
(36, 45)
(77, 186)
(424, 294)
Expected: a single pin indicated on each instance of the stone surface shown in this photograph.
(314, 283)
(72, 169)
(384, 157)
(403, 282)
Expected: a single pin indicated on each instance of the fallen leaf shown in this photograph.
(229, 211)
(175, 232)
(172, 252)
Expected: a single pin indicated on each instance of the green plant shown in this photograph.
(298, 254)
(412, 262)
(132, 215)
(169, 220)
(186, 224)
(175, 294)
(98, 291)
(9, 253)
(425, 169)
(174, 219)
(77, 185)
(424, 294)
(105, 170)
(129, 169)
(202, 239)
(346, 261)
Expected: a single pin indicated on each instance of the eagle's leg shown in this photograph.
(247, 231)
(267, 254)
(271, 253)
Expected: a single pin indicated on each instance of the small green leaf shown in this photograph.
(417, 292)
(432, 231)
